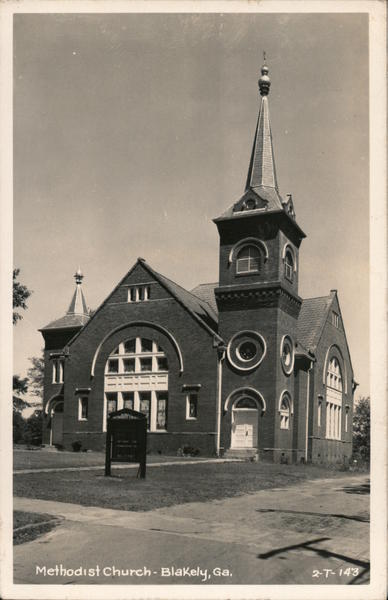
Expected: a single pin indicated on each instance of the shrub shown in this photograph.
(76, 446)
(33, 429)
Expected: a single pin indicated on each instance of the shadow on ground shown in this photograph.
(363, 567)
(360, 518)
(363, 488)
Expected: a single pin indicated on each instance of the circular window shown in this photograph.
(287, 354)
(246, 350)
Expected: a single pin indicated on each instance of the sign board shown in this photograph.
(126, 439)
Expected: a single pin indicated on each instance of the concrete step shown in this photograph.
(242, 453)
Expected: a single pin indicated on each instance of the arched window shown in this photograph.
(245, 402)
(136, 377)
(248, 259)
(289, 265)
(285, 411)
(333, 400)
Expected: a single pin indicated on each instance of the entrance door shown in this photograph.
(244, 429)
(57, 425)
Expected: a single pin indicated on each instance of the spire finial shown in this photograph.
(78, 276)
(264, 81)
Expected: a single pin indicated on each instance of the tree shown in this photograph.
(36, 376)
(20, 294)
(19, 386)
(361, 429)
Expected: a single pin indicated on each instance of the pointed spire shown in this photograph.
(262, 172)
(78, 304)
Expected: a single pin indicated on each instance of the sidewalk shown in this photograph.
(271, 536)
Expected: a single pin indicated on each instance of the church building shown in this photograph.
(242, 367)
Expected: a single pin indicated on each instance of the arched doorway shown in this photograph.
(245, 416)
(55, 412)
(246, 405)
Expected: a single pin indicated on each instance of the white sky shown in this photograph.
(133, 131)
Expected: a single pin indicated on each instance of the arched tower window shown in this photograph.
(136, 377)
(248, 259)
(289, 265)
(333, 400)
(285, 410)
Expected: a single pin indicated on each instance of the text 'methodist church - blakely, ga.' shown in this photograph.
(240, 367)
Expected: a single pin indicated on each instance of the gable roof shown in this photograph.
(198, 309)
(205, 292)
(312, 318)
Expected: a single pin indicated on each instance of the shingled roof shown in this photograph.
(77, 313)
(312, 318)
(205, 292)
(192, 302)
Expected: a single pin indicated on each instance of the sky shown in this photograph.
(132, 132)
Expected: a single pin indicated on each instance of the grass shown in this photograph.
(28, 526)
(41, 459)
(164, 486)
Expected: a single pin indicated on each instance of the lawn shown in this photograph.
(28, 526)
(164, 486)
(42, 459)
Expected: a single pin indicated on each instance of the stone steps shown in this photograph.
(242, 453)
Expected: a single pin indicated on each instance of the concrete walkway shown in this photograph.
(315, 532)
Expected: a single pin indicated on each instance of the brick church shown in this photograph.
(241, 367)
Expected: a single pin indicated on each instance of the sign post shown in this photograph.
(126, 440)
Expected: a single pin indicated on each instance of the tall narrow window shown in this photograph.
(83, 408)
(319, 412)
(333, 400)
(285, 409)
(111, 402)
(161, 414)
(192, 405)
(145, 405)
(128, 400)
(58, 368)
(289, 265)
(248, 260)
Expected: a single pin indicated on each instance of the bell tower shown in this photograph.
(257, 297)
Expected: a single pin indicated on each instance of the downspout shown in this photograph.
(220, 357)
(307, 413)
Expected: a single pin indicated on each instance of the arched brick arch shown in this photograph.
(335, 351)
(139, 324)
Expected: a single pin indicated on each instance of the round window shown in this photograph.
(287, 354)
(246, 350)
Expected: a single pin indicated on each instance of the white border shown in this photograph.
(378, 279)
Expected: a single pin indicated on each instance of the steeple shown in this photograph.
(262, 172)
(78, 304)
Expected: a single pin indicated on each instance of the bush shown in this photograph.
(76, 446)
(361, 431)
(190, 451)
(18, 427)
(33, 429)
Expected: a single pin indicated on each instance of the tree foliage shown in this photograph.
(19, 297)
(36, 376)
(19, 386)
(361, 429)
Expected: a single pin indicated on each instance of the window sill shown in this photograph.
(84, 420)
(191, 418)
(248, 274)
